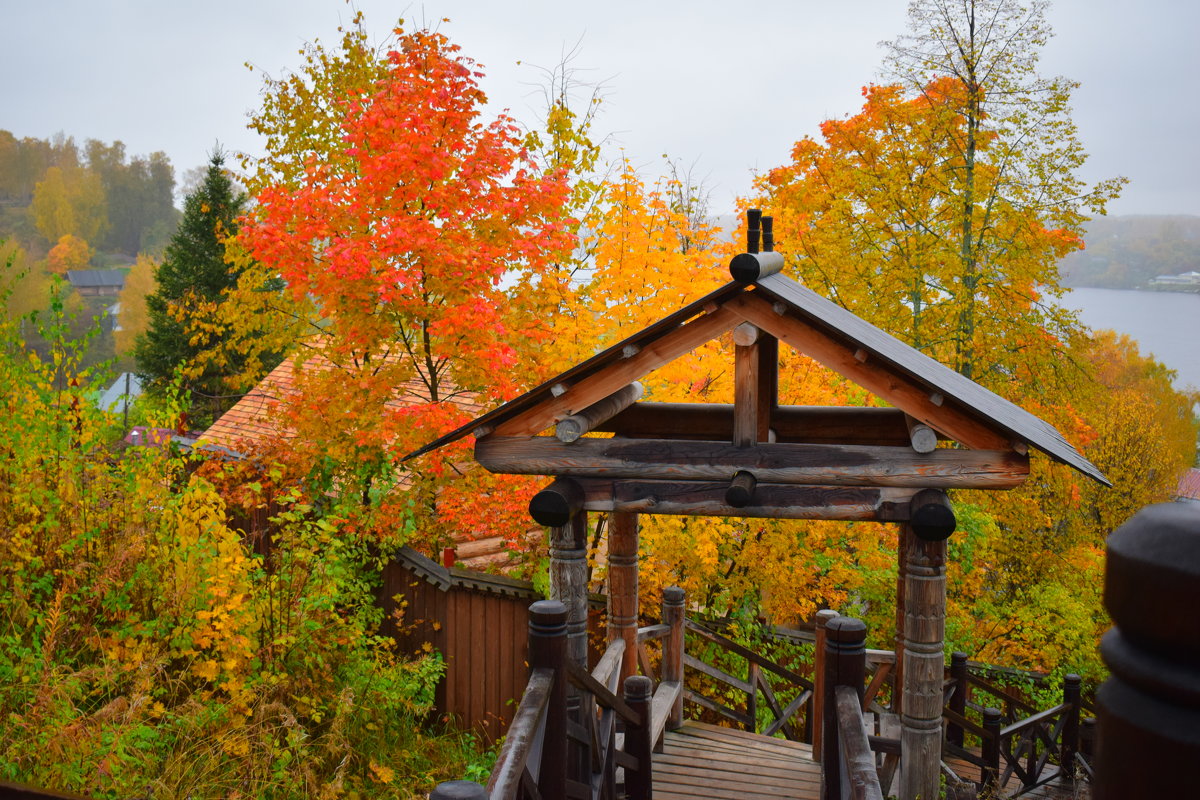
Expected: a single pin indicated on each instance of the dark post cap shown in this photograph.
(673, 595)
(846, 630)
(638, 687)
(1152, 578)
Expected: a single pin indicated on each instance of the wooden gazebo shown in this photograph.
(756, 458)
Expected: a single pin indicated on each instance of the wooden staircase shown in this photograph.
(700, 760)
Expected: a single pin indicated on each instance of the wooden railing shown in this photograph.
(572, 731)
(1016, 739)
(762, 676)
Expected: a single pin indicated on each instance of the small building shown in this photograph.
(1188, 490)
(97, 282)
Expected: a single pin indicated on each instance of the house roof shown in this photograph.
(252, 419)
(933, 391)
(96, 278)
(1189, 485)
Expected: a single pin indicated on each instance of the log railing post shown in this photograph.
(958, 700)
(672, 652)
(638, 692)
(845, 665)
(458, 790)
(548, 649)
(1072, 690)
(817, 717)
(990, 773)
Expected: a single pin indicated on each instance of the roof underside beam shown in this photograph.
(797, 464)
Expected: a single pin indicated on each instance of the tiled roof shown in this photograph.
(252, 419)
(1189, 485)
(96, 277)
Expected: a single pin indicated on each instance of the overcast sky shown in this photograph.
(727, 86)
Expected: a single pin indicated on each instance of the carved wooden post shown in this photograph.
(923, 668)
(845, 665)
(672, 653)
(459, 790)
(548, 648)
(958, 700)
(1148, 711)
(568, 581)
(817, 717)
(638, 695)
(623, 586)
(1070, 730)
(902, 537)
(989, 775)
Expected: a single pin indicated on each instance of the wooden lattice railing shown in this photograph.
(1017, 741)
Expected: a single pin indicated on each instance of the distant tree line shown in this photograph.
(116, 203)
(1125, 252)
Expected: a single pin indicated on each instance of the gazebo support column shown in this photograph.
(923, 662)
(623, 586)
(568, 581)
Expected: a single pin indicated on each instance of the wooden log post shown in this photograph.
(989, 774)
(548, 650)
(1072, 691)
(1148, 711)
(845, 665)
(745, 385)
(638, 693)
(623, 586)
(672, 654)
(568, 585)
(924, 660)
(817, 716)
(958, 700)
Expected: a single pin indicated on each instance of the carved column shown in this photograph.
(623, 586)
(568, 581)
(924, 629)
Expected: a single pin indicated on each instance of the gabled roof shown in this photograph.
(96, 278)
(881, 363)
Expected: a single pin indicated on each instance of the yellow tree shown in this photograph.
(134, 318)
(70, 253)
(69, 200)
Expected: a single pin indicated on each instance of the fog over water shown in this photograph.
(1166, 324)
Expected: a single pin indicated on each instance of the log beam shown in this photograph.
(714, 421)
(576, 425)
(804, 464)
(770, 501)
(592, 388)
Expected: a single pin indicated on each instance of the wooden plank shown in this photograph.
(617, 374)
(745, 395)
(576, 425)
(714, 422)
(771, 500)
(890, 385)
(768, 385)
(804, 464)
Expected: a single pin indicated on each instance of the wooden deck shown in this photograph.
(706, 761)
(714, 763)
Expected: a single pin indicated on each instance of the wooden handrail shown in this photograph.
(582, 679)
(1030, 722)
(523, 739)
(608, 669)
(860, 780)
(649, 633)
(749, 655)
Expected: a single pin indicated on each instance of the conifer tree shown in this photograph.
(191, 281)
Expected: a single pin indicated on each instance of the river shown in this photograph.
(1166, 324)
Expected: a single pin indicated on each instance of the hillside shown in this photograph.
(1127, 251)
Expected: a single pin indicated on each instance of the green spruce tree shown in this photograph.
(191, 283)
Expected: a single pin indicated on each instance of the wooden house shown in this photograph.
(97, 282)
